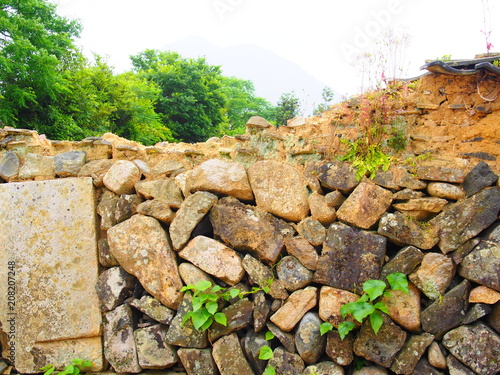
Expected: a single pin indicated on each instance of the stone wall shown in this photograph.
(102, 234)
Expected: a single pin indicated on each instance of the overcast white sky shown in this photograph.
(315, 34)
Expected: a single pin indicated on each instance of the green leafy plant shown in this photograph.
(267, 353)
(72, 369)
(205, 302)
(366, 158)
(368, 305)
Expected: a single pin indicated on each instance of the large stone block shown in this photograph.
(48, 258)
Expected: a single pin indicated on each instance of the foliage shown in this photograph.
(267, 353)
(36, 45)
(368, 305)
(444, 58)
(286, 108)
(73, 369)
(243, 104)
(366, 158)
(205, 303)
(192, 102)
(327, 95)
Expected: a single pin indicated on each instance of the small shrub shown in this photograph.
(73, 369)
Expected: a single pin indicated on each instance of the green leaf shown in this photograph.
(197, 304)
(398, 281)
(362, 310)
(221, 318)
(325, 327)
(234, 292)
(374, 288)
(266, 353)
(269, 335)
(363, 298)
(215, 289)
(203, 285)
(348, 308)
(207, 324)
(376, 321)
(270, 370)
(48, 369)
(199, 319)
(382, 307)
(345, 328)
(212, 307)
(266, 289)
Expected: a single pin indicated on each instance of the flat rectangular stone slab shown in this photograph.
(48, 269)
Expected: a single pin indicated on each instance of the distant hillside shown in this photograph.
(271, 74)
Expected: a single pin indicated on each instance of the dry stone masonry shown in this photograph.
(99, 236)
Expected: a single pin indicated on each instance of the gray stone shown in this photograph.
(184, 334)
(350, 257)
(423, 367)
(249, 229)
(439, 173)
(483, 263)
(444, 190)
(166, 167)
(302, 249)
(286, 339)
(164, 190)
(113, 287)
(494, 317)
(154, 309)
(292, 274)
(263, 277)
(261, 311)
(485, 342)
(37, 166)
(380, 348)
(221, 177)
(434, 275)
(214, 258)
(430, 205)
(324, 368)
(9, 165)
(197, 361)
(142, 248)
(407, 194)
(410, 354)
(295, 307)
(365, 206)
(48, 239)
(402, 230)
(466, 219)
(189, 215)
(480, 177)
(334, 199)
(448, 312)
(119, 344)
(457, 368)
(143, 166)
(340, 351)
(239, 315)
(69, 164)
(459, 254)
(308, 339)
(258, 122)
(405, 261)
(286, 363)
(152, 350)
(126, 206)
(229, 357)
(157, 209)
(121, 177)
(279, 189)
(106, 209)
(106, 259)
(312, 230)
(337, 176)
(476, 312)
(96, 169)
(252, 343)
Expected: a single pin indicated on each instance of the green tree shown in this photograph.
(287, 108)
(192, 103)
(327, 95)
(36, 46)
(243, 104)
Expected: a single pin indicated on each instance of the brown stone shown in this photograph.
(164, 190)
(157, 209)
(404, 308)
(337, 176)
(141, 246)
(300, 248)
(263, 276)
(122, 177)
(440, 173)
(340, 351)
(435, 356)
(444, 190)
(433, 205)
(410, 354)
(334, 199)
(365, 206)
(320, 210)
(295, 308)
(221, 177)
(483, 294)
(229, 357)
(434, 275)
(330, 302)
(214, 258)
(37, 167)
(279, 189)
(197, 361)
(312, 230)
